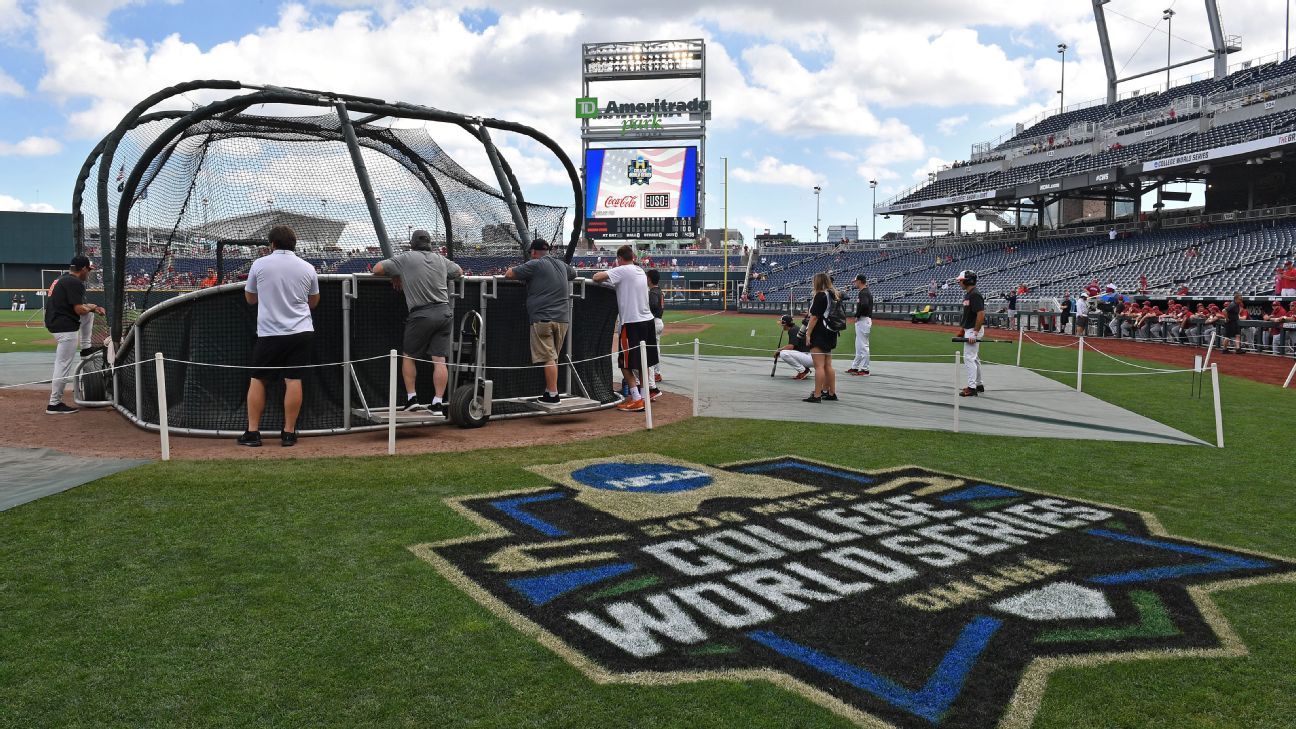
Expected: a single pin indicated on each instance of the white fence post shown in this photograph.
(1219, 416)
(696, 405)
(1209, 348)
(391, 404)
(1080, 366)
(1020, 334)
(163, 428)
(958, 379)
(645, 383)
(1290, 375)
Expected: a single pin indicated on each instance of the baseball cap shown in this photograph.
(1111, 287)
(965, 275)
(80, 262)
(539, 244)
(861, 278)
(786, 320)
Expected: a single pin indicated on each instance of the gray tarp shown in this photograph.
(27, 474)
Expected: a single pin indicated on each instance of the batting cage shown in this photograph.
(191, 194)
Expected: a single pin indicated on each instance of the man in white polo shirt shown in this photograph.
(631, 286)
(284, 289)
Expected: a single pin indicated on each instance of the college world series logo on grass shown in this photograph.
(903, 597)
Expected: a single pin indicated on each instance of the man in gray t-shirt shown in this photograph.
(424, 277)
(548, 309)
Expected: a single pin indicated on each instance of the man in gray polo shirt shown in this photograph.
(424, 275)
(548, 309)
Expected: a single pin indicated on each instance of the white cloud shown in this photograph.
(873, 172)
(770, 171)
(760, 225)
(932, 164)
(9, 86)
(31, 147)
(950, 124)
(839, 155)
(9, 204)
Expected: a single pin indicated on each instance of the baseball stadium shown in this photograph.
(368, 385)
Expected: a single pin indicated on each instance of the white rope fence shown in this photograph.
(393, 357)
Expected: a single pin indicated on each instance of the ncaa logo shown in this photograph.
(900, 597)
(655, 478)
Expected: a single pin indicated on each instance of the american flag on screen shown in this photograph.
(622, 192)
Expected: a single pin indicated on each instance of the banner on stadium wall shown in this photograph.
(1255, 145)
(937, 202)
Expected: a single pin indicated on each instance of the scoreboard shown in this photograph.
(641, 193)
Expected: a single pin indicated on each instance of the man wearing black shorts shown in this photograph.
(284, 288)
(424, 276)
(631, 286)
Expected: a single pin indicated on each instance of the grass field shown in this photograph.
(248, 593)
(23, 338)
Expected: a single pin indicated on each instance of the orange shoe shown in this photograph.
(631, 406)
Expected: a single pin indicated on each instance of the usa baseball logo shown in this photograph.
(903, 597)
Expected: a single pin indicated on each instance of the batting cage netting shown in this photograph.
(206, 338)
(185, 198)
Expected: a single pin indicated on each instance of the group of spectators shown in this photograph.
(1182, 324)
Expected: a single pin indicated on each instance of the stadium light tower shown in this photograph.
(873, 185)
(1168, 17)
(817, 190)
(1062, 48)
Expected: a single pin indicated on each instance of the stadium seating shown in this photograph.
(1213, 261)
(1168, 135)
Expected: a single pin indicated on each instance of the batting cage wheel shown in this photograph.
(467, 407)
(94, 385)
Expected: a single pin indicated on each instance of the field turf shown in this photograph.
(23, 338)
(246, 593)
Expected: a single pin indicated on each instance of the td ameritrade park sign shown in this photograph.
(903, 597)
(641, 116)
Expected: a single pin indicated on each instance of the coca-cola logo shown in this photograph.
(626, 201)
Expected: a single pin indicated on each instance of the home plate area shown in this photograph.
(902, 597)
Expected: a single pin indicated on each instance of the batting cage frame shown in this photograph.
(231, 118)
(374, 147)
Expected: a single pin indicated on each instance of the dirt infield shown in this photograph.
(1258, 367)
(105, 433)
(686, 328)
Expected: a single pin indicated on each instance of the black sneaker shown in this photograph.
(550, 399)
(437, 409)
(250, 438)
(654, 394)
(829, 398)
(851, 371)
(980, 388)
(812, 398)
(87, 351)
(287, 439)
(411, 406)
(60, 409)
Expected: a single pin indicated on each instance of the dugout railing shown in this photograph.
(206, 339)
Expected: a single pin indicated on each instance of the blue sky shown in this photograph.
(833, 92)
